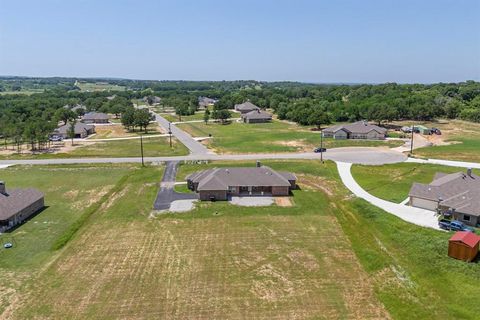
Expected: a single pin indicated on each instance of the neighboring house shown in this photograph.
(256, 116)
(463, 245)
(152, 100)
(457, 194)
(75, 107)
(95, 117)
(205, 102)
(220, 183)
(246, 107)
(82, 130)
(16, 205)
(356, 130)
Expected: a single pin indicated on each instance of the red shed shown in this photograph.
(463, 245)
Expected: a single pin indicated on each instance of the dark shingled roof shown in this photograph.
(79, 128)
(359, 127)
(95, 116)
(222, 178)
(459, 191)
(246, 106)
(16, 200)
(257, 114)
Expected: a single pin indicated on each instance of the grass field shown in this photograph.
(393, 181)
(90, 86)
(70, 191)
(197, 116)
(269, 137)
(118, 131)
(328, 256)
(463, 138)
(153, 147)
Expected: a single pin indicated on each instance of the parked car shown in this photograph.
(454, 225)
(56, 138)
(406, 129)
(436, 131)
(317, 150)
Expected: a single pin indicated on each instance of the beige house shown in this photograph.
(246, 107)
(220, 183)
(95, 117)
(17, 205)
(457, 194)
(81, 130)
(357, 130)
(256, 116)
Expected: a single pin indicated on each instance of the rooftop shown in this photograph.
(468, 238)
(95, 116)
(15, 200)
(246, 106)
(257, 114)
(360, 127)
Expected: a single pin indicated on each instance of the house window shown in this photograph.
(232, 189)
(466, 217)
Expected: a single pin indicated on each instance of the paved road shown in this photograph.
(194, 146)
(450, 163)
(166, 195)
(421, 217)
(365, 155)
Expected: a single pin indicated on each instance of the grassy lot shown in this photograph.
(152, 147)
(393, 181)
(118, 131)
(462, 139)
(70, 192)
(90, 86)
(269, 137)
(328, 256)
(197, 116)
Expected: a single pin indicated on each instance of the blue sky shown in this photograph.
(314, 41)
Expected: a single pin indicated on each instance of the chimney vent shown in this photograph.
(469, 172)
(3, 190)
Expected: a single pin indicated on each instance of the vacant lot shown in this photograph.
(393, 181)
(118, 131)
(276, 136)
(460, 140)
(70, 191)
(153, 147)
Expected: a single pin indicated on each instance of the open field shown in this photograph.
(269, 137)
(153, 147)
(70, 192)
(392, 182)
(98, 86)
(197, 116)
(328, 256)
(460, 140)
(118, 131)
(23, 91)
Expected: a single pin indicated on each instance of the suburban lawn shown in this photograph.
(118, 131)
(153, 147)
(329, 256)
(392, 182)
(272, 137)
(70, 192)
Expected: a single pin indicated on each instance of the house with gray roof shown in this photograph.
(246, 107)
(221, 183)
(82, 130)
(456, 193)
(256, 116)
(204, 102)
(356, 130)
(95, 117)
(17, 205)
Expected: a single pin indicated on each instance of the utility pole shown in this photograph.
(170, 133)
(411, 142)
(141, 148)
(321, 146)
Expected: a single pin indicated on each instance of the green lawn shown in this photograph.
(269, 137)
(393, 181)
(153, 147)
(90, 86)
(464, 149)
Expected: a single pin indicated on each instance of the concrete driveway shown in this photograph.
(167, 195)
(421, 217)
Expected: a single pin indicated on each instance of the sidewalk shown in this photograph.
(450, 163)
(421, 217)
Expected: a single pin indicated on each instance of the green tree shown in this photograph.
(71, 129)
(128, 118)
(142, 118)
(206, 116)
(64, 114)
